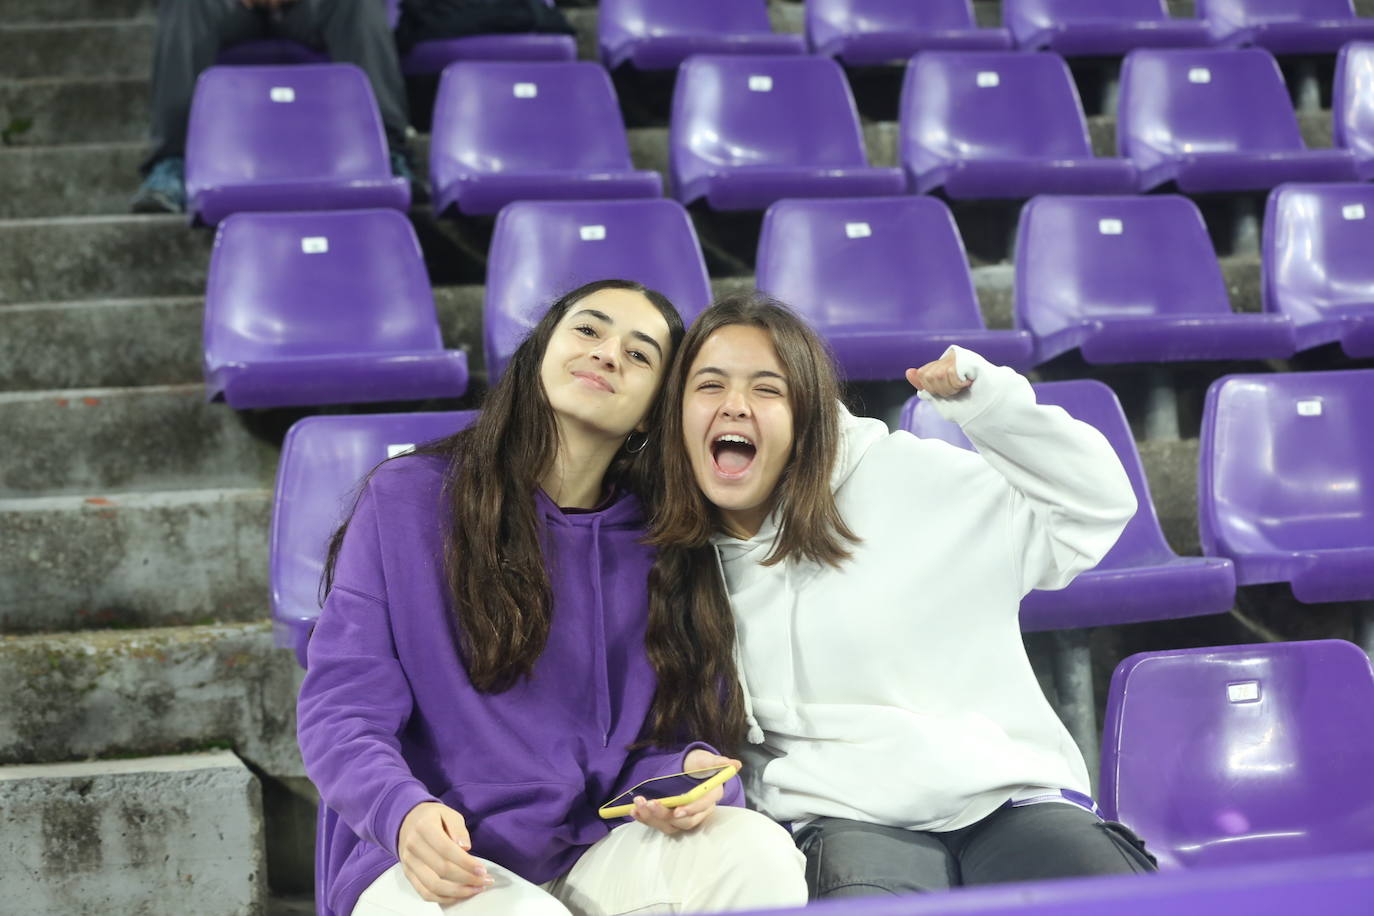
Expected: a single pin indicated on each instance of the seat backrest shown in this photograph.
(1028, 15)
(542, 249)
(1088, 400)
(1317, 244)
(755, 110)
(653, 18)
(500, 116)
(1352, 99)
(1241, 754)
(1287, 462)
(827, 20)
(849, 263)
(324, 459)
(316, 121)
(1083, 258)
(1254, 12)
(1178, 102)
(990, 105)
(317, 283)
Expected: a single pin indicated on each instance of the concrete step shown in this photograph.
(93, 49)
(133, 836)
(103, 257)
(133, 560)
(86, 110)
(56, 11)
(169, 690)
(79, 180)
(121, 439)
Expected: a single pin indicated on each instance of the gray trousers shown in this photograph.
(190, 34)
(1029, 843)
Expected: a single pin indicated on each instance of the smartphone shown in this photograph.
(669, 791)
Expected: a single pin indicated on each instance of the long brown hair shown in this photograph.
(493, 559)
(689, 612)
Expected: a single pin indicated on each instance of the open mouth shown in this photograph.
(733, 454)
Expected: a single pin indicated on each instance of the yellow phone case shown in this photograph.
(706, 785)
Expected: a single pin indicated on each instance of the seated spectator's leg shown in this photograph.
(392, 894)
(356, 32)
(736, 860)
(853, 859)
(1043, 841)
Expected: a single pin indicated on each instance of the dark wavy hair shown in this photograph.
(689, 611)
(493, 560)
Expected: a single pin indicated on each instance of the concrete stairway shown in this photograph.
(133, 516)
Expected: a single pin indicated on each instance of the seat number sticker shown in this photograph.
(1311, 407)
(1243, 691)
(526, 90)
(988, 78)
(857, 230)
(282, 94)
(592, 233)
(314, 244)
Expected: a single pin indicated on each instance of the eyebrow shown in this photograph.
(762, 373)
(638, 335)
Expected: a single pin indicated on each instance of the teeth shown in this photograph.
(731, 437)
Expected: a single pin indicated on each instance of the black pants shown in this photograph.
(1028, 843)
(190, 34)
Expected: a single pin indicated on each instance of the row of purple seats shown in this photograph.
(747, 131)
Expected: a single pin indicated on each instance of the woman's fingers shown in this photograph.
(941, 378)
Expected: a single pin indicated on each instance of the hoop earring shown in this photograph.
(638, 447)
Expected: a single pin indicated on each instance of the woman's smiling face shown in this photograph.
(737, 424)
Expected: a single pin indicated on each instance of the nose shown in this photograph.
(605, 351)
(735, 406)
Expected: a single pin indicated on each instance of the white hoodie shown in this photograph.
(895, 689)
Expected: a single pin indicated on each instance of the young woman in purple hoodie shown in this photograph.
(487, 669)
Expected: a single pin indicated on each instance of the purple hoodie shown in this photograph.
(388, 718)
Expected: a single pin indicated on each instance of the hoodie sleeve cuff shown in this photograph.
(734, 791)
(392, 810)
(990, 385)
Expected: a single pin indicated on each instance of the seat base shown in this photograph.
(756, 187)
(343, 379)
(1259, 171)
(488, 193)
(1323, 36)
(867, 49)
(1024, 178)
(665, 52)
(433, 56)
(1173, 338)
(1113, 37)
(209, 204)
(1180, 587)
(885, 355)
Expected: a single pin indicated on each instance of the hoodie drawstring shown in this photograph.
(599, 660)
(755, 733)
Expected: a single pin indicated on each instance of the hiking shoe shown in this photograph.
(164, 190)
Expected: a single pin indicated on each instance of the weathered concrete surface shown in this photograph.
(110, 693)
(119, 439)
(145, 836)
(1171, 470)
(135, 559)
(99, 49)
(84, 180)
(76, 110)
(102, 257)
(35, 11)
(113, 343)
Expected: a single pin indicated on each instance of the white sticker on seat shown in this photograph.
(1353, 211)
(858, 230)
(1311, 407)
(314, 244)
(988, 78)
(400, 448)
(282, 94)
(1109, 226)
(1243, 691)
(592, 233)
(761, 83)
(1199, 75)
(526, 90)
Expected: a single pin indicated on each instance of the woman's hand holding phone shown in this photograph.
(690, 816)
(433, 848)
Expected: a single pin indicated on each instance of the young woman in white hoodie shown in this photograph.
(893, 716)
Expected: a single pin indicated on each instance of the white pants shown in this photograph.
(737, 860)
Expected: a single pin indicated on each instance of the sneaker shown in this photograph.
(164, 190)
(401, 167)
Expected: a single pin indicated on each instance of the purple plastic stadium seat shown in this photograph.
(1215, 120)
(1131, 279)
(323, 460)
(269, 52)
(747, 131)
(323, 308)
(847, 266)
(1286, 481)
(1235, 756)
(542, 249)
(304, 137)
(1317, 265)
(433, 56)
(1285, 26)
(866, 32)
(529, 131)
(1141, 578)
(1000, 124)
(1352, 105)
(660, 34)
(1074, 27)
